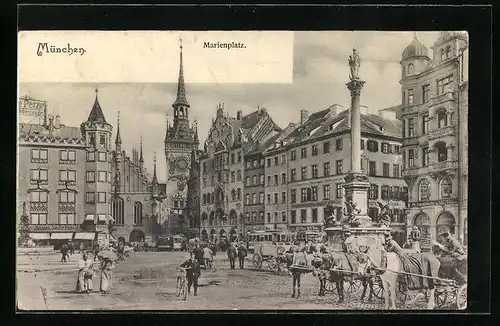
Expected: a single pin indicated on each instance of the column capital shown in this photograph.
(355, 86)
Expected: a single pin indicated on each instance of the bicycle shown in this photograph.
(181, 283)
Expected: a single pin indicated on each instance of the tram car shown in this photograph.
(269, 246)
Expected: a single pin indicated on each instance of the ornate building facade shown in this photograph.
(181, 139)
(223, 170)
(434, 115)
(74, 185)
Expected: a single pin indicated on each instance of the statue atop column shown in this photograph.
(354, 64)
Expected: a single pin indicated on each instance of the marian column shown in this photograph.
(356, 183)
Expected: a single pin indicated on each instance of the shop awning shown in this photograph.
(39, 236)
(61, 236)
(84, 236)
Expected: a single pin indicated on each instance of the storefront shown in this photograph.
(58, 234)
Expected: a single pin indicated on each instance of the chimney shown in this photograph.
(304, 114)
(335, 109)
(51, 122)
(239, 114)
(363, 109)
(57, 122)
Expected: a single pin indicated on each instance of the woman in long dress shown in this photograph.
(107, 266)
(85, 274)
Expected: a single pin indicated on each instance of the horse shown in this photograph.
(425, 264)
(296, 275)
(331, 260)
(231, 255)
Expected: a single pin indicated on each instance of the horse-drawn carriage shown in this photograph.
(346, 277)
(270, 246)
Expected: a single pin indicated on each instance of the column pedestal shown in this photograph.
(356, 189)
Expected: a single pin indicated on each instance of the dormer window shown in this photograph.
(443, 55)
(448, 52)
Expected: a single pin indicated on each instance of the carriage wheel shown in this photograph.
(353, 286)
(273, 264)
(378, 289)
(440, 295)
(330, 286)
(462, 297)
(401, 292)
(257, 261)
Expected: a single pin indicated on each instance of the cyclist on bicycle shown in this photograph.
(193, 271)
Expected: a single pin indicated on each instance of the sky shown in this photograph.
(320, 72)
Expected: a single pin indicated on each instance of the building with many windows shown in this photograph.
(434, 115)
(314, 158)
(223, 170)
(73, 185)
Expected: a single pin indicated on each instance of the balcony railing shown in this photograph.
(443, 132)
(448, 96)
(39, 207)
(443, 166)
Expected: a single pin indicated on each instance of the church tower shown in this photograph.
(180, 139)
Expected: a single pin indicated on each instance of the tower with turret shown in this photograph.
(97, 133)
(181, 139)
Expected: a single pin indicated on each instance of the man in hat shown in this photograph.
(198, 252)
(242, 253)
(193, 271)
(453, 248)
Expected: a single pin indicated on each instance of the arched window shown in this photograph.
(233, 194)
(423, 222)
(137, 213)
(445, 223)
(411, 69)
(442, 118)
(442, 154)
(204, 199)
(445, 187)
(211, 219)
(239, 193)
(424, 190)
(117, 211)
(448, 52)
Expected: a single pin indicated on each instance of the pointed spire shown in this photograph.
(155, 178)
(196, 139)
(166, 132)
(141, 158)
(118, 137)
(181, 89)
(96, 114)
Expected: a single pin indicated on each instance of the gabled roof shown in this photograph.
(28, 129)
(321, 124)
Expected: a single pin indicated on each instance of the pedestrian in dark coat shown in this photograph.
(232, 252)
(242, 253)
(198, 253)
(193, 271)
(64, 252)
